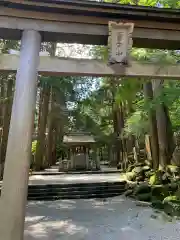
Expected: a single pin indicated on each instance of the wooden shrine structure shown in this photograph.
(69, 21)
(79, 145)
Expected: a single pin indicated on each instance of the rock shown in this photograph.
(159, 192)
(175, 170)
(172, 207)
(128, 193)
(140, 178)
(177, 178)
(155, 179)
(170, 199)
(143, 188)
(139, 164)
(130, 168)
(143, 204)
(172, 187)
(177, 193)
(176, 156)
(146, 197)
(148, 174)
(157, 204)
(131, 176)
(154, 216)
(148, 163)
(166, 178)
(138, 170)
(146, 168)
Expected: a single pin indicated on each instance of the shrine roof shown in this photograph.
(79, 139)
(96, 9)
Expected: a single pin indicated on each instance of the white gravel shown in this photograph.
(113, 219)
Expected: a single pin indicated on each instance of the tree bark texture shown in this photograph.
(148, 94)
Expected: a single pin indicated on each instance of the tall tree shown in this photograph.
(43, 116)
(6, 122)
(148, 93)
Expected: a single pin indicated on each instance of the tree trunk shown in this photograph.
(148, 94)
(51, 118)
(2, 98)
(40, 148)
(117, 141)
(55, 136)
(50, 130)
(162, 127)
(6, 124)
(170, 137)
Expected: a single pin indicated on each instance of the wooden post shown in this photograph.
(16, 172)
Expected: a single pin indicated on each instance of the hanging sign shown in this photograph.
(120, 42)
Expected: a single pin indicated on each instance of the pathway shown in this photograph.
(114, 219)
(74, 178)
(54, 171)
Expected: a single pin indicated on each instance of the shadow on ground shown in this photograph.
(116, 218)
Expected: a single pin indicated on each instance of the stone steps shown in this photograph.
(77, 196)
(52, 192)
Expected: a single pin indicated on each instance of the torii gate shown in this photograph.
(74, 21)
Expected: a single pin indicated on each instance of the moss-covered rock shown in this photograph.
(159, 192)
(153, 180)
(156, 178)
(172, 207)
(139, 164)
(131, 176)
(140, 178)
(149, 173)
(138, 170)
(130, 168)
(157, 204)
(177, 192)
(172, 188)
(141, 189)
(171, 199)
(175, 170)
(166, 178)
(129, 193)
(146, 168)
(146, 197)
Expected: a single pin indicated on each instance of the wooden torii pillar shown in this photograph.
(16, 172)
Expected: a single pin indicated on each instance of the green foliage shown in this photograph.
(170, 199)
(33, 148)
(136, 124)
(155, 179)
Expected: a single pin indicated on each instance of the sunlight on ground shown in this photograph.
(71, 178)
(116, 218)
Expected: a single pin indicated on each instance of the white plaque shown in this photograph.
(120, 42)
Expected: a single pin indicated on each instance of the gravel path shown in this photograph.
(113, 219)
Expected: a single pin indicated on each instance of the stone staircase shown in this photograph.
(76, 191)
(52, 192)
